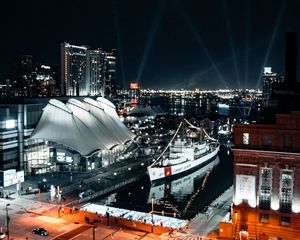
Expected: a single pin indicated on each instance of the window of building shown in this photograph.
(246, 138)
(286, 191)
(264, 218)
(287, 141)
(266, 140)
(265, 188)
(285, 221)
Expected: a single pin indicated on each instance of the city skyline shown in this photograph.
(160, 44)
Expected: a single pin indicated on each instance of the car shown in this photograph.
(2, 235)
(40, 231)
(86, 193)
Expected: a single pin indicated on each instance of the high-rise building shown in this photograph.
(95, 72)
(22, 83)
(45, 80)
(73, 70)
(284, 96)
(25, 66)
(266, 202)
(269, 78)
(87, 72)
(291, 52)
(111, 72)
(134, 93)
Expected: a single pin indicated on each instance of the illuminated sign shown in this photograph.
(245, 189)
(45, 67)
(133, 102)
(11, 177)
(267, 70)
(134, 86)
(62, 157)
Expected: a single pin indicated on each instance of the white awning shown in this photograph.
(81, 126)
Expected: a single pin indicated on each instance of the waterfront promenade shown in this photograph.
(207, 222)
(65, 224)
(26, 214)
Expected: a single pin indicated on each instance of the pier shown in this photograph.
(208, 221)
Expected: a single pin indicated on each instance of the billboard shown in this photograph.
(11, 177)
(63, 156)
(245, 189)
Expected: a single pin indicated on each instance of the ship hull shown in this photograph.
(161, 172)
(180, 184)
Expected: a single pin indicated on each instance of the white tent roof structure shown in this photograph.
(81, 126)
(110, 109)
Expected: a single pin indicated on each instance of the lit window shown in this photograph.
(10, 124)
(286, 191)
(246, 138)
(265, 188)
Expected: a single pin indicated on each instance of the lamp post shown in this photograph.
(152, 210)
(7, 221)
(236, 224)
(94, 227)
(58, 201)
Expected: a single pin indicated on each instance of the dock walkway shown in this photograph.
(208, 221)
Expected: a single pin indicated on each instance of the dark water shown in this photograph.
(211, 106)
(186, 195)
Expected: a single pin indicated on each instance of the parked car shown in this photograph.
(2, 235)
(86, 193)
(40, 231)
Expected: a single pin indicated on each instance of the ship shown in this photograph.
(184, 154)
(180, 186)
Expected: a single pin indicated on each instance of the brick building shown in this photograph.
(266, 201)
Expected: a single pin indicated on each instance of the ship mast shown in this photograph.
(200, 129)
(169, 144)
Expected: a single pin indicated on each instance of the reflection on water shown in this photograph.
(185, 196)
(180, 187)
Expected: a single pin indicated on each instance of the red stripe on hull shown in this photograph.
(168, 171)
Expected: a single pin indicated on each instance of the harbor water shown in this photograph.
(181, 197)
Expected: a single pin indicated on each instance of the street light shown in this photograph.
(7, 221)
(94, 227)
(152, 210)
(236, 223)
(58, 201)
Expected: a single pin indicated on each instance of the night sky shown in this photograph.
(161, 44)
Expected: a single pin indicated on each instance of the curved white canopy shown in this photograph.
(81, 126)
(110, 109)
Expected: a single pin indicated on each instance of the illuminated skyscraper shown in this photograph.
(87, 72)
(23, 82)
(95, 72)
(269, 78)
(73, 70)
(110, 73)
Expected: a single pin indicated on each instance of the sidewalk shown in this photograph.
(105, 229)
(39, 204)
